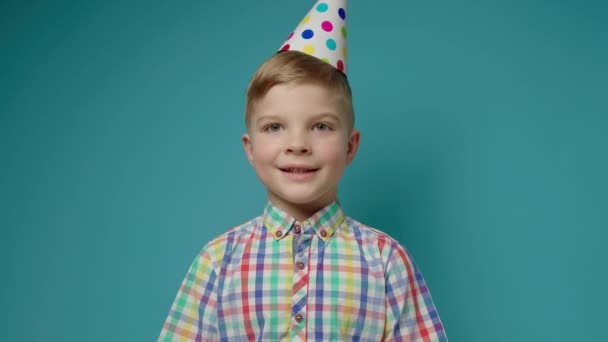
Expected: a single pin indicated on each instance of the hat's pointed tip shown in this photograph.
(322, 33)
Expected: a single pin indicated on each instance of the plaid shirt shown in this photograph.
(338, 280)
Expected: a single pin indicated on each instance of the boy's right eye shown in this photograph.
(275, 127)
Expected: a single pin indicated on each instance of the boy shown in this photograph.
(303, 270)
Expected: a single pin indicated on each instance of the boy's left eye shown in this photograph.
(322, 127)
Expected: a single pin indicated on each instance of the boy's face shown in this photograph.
(299, 145)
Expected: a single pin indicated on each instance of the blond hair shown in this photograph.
(297, 67)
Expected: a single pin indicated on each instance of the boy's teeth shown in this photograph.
(297, 170)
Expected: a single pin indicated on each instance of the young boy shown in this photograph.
(303, 270)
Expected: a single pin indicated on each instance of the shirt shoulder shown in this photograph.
(372, 235)
(218, 247)
(391, 252)
(243, 229)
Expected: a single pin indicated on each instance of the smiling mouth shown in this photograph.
(298, 170)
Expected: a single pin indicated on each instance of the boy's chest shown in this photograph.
(318, 290)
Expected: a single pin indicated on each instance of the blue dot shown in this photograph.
(322, 7)
(307, 34)
(331, 44)
(342, 13)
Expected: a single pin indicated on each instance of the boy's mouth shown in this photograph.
(298, 170)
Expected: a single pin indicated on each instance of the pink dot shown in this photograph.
(290, 35)
(340, 65)
(285, 47)
(327, 26)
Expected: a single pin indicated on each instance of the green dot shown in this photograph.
(344, 31)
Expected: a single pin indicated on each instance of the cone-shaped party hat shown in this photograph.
(322, 33)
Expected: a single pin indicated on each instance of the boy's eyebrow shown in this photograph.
(314, 117)
(327, 115)
(267, 117)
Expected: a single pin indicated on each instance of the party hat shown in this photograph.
(322, 33)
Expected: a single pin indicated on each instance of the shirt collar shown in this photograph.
(323, 223)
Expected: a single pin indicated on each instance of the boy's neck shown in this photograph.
(302, 212)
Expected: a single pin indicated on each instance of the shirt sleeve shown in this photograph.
(193, 315)
(410, 312)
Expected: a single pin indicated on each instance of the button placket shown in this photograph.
(300, 285)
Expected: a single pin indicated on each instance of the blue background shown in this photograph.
(484, 151)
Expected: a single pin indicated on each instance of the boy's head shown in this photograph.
(294, 67)
(300, 134)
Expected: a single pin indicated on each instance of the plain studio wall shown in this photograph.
(483, 151)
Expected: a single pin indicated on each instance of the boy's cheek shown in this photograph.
(264, 150)
(335, 155)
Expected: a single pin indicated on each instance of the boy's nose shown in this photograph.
(298, 149)
(298, 145)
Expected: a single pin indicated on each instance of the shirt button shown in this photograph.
(299, 317)
(298, 228)
(279, 233)
(300, 265)
(323, 233)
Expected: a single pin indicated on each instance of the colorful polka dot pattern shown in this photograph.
(322, 33)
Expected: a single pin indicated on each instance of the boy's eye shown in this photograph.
(322, 127)
(275, 127)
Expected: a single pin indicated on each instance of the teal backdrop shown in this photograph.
(484, 151)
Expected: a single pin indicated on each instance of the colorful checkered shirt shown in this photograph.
(341, 281)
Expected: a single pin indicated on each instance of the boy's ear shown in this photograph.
(353, 145)
(247, 145)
